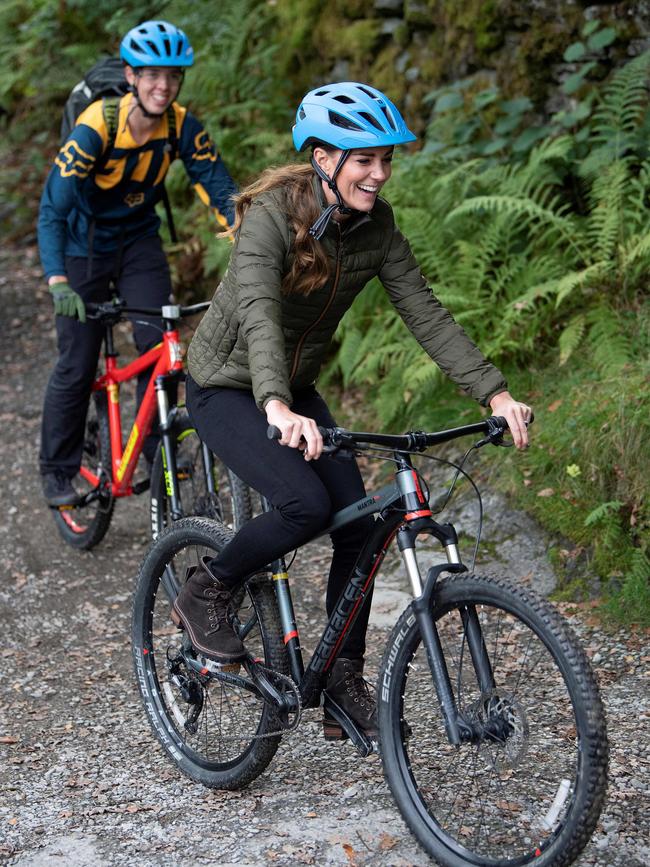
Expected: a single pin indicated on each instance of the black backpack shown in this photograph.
(106, 81)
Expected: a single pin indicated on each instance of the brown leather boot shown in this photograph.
(202, 609)
(348, 688)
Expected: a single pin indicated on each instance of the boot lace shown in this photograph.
(217, 609)
(358, 688)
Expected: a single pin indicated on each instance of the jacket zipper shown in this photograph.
(305, 334)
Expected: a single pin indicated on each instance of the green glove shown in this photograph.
(67, 302)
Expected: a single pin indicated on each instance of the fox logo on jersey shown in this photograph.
(203, 147)
(134, 199)
(72, 160)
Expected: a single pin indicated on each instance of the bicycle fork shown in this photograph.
(458, 729)
(170, 467)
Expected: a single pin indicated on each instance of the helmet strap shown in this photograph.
(318, 228)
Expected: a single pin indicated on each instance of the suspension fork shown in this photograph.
(422, 606)
(165, 420)
(208, 469)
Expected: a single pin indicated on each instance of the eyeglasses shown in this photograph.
(173, 76)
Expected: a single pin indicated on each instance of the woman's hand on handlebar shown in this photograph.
(515, 413)
(298, 431)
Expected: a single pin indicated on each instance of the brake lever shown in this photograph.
(494, 435)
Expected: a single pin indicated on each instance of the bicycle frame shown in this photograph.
(166, 361)
(405, 514)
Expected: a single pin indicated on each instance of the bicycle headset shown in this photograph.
(346, 115)
(155, 43)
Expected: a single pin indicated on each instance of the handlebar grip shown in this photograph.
(274, 433)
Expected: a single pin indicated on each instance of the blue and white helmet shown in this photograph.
(349, 115)
(156, 43)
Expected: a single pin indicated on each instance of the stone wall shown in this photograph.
(411, 47)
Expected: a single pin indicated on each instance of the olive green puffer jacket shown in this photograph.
(253, 336)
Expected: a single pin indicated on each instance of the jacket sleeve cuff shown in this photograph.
(486, 400)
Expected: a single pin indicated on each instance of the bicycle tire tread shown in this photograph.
(594, 776)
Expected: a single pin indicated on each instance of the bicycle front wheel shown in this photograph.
(227, 499)
(530, 784)
(85, 526)
(216, 732)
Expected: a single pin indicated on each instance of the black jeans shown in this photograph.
(303, 494)
(140, 276)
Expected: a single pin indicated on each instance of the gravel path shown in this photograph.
(82, 781)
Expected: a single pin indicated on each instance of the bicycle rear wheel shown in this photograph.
(85, 526)
(217, 733)
(230, 503)
(531, 785)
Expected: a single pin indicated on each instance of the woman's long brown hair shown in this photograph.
(310, 267)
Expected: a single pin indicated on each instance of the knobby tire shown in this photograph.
(532, 795)
(226, 751)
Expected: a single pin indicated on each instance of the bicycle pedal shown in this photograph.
(339, 726)
(332, 731)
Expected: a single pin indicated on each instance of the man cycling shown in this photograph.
(98, 226)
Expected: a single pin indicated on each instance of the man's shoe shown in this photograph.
(352, 693)
(202, 609)
(58, 490)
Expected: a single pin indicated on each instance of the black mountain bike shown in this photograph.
(491, 728)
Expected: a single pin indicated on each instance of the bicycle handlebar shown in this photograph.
(116, 308)
(335, 438)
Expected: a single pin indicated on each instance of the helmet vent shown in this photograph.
(371, 120)
(390, 120)
(343, 122)
(344, 99)
(168, 47)
(153, 47)
(368, 92)
(322, 93)
(301, 114)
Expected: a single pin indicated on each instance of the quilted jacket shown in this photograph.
(254, 336)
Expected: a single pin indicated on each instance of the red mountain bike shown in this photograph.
(186, 478)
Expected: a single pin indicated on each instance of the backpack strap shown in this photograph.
(172, 149)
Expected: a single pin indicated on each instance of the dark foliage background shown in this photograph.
(526, 200)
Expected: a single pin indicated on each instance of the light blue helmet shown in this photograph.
(156, 43)
(349, 115)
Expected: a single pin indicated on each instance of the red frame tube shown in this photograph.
(165, 358)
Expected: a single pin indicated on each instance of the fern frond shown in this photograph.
(562, 287)
(623, 102)
(609, 343)
(636, 249)
(606, 222)
(603, 512)
(571, 337)
(516, 209)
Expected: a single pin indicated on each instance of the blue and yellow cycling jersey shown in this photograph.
(117, 191)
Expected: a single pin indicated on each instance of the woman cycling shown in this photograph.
(306, 241)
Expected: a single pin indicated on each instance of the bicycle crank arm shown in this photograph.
(361, 741)
(284, 702)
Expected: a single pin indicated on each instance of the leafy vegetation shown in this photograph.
(531, 226)
(544, 258)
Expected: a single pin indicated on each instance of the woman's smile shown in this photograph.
(361, 177)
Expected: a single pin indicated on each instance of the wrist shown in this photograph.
(499, 398)
(56, 278)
